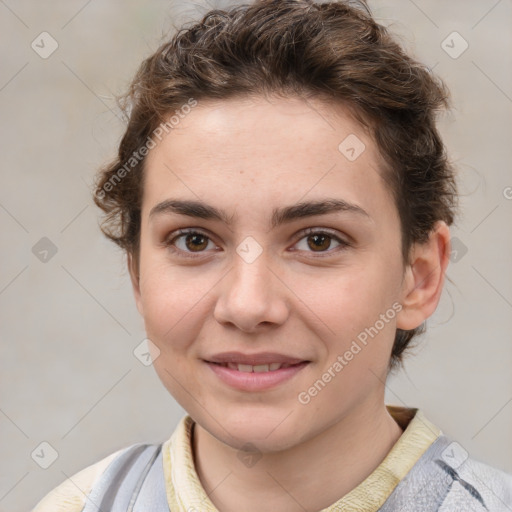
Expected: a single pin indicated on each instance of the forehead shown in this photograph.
(258, 152)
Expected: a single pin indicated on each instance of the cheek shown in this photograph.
(350, 304)
(352, 295)
(168, 303)
(171, 323)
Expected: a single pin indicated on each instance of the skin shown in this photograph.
(249, 156)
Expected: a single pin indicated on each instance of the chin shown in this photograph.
(268, 430)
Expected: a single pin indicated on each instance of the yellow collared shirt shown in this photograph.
(185, 492)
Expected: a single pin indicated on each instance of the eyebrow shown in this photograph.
(282, 215)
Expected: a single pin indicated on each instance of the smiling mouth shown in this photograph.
(259, 368)
(259, 377)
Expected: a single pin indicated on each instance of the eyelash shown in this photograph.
(169, 243)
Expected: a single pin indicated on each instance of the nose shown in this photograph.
(252, 296)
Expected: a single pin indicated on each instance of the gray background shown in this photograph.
(69, 324)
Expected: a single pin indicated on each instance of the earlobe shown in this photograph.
(424, 278)
(135, 279)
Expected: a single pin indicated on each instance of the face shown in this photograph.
(247, 277)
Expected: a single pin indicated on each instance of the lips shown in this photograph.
(255, 372)
(258, 360)
(255, 378)
(258, 368)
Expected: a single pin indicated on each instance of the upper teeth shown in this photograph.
(257, 368)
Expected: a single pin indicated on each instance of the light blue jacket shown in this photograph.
(444, 479)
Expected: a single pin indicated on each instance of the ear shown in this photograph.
(135, 279)
(424, 278)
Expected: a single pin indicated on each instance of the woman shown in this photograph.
(284, 200)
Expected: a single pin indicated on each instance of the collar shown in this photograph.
(185, 492)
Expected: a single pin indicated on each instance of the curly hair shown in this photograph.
(333, 50)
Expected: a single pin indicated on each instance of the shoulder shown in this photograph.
(70, 495)
(447, 479)
(471, 484)
(493, 484)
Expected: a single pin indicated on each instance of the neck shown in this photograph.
(309, 476)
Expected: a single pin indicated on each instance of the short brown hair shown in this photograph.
(331, 50)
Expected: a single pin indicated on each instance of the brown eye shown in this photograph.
(186, 243)
(321, 242)
(196, 241)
